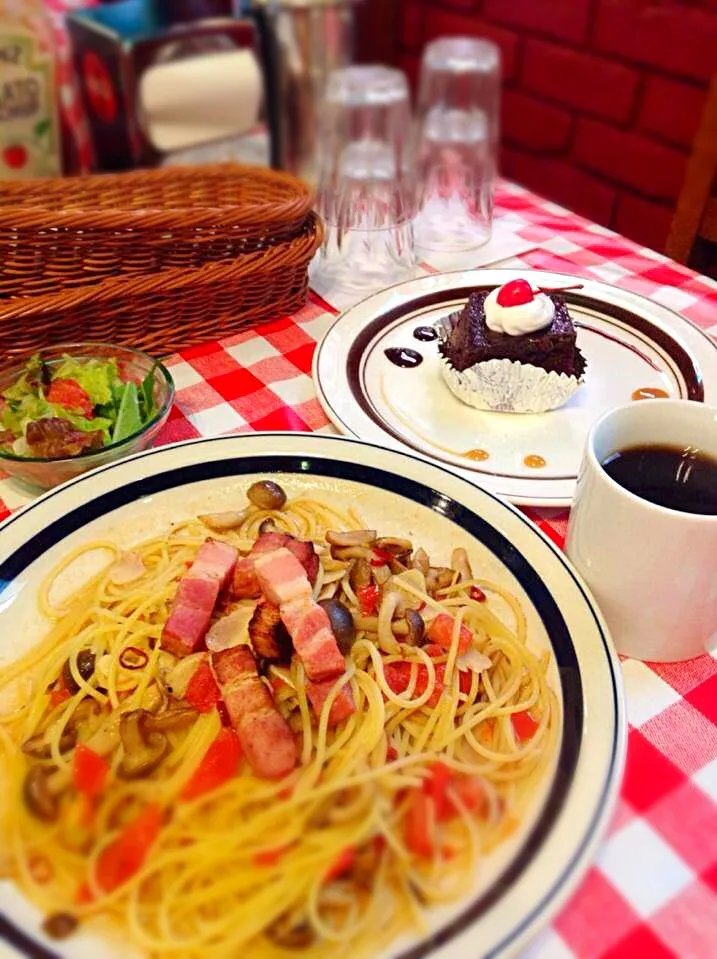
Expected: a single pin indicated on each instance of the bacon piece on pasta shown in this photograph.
(282, 577)
(343, 705)
(264, 734)
(313, 638)
(196, 597)
(246, 584)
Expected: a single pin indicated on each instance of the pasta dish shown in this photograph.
(272, 729)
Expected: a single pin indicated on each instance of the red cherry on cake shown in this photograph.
(515, 293)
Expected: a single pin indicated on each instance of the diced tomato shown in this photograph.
(59, 696)
(218, 766)
(433, 650)
(391, 754)
(441, 632)
(202, 690)
(343, 862)
(83, 896)
(471, 792)
(89, 771)
(477, 594)
(270, 857)
(524, 725)
(420, 824)
(72, 396)
(368, 597)
(398, 678)
(125, 855)
(465, 681)
(381, 557)
(435, 786)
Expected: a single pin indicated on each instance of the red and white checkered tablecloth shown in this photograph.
(652, 893)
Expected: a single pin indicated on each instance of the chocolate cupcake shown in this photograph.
(511, 349)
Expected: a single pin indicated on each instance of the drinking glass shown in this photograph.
(457, 145)
(366, 192)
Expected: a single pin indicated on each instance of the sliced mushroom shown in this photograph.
(168, 721)
(420, 561)
(360, 574)
(461, 564)
(366, 863)
(40, 749)
(290, 932)
(345, 553)
(39, 797)
(142, 752)
(342, 624)
(353, 537)
(85, 667)
(416, 628)
(438, 577)
(266, 494)
(221, 522)
(381, 574)
(268, 526)
(393, 545)
(369, 624)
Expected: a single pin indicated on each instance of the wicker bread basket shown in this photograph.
(170, 310)
(64, 233)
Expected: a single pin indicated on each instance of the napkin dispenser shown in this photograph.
(161, 76)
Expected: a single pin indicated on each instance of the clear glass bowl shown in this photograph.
(44, 473)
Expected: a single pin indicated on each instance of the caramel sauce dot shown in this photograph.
(478, 455)
(534, 461)
(650, 393)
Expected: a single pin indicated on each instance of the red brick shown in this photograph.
(672, 109)
(567, 19)
(592, 84)
(561, 182)
(443, 23)
(534, 124)
(629, 158)
(642, 221)
(673, 37)
(412, 16)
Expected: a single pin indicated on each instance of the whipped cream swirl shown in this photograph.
(520, 319)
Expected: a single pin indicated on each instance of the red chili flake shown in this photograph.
(40, 869)
(132, 657)
(391, 754)
(477, 594)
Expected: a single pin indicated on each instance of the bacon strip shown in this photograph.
(342, 707)
(246, 584)
(196, 597)
(265, 737)
(313, 638)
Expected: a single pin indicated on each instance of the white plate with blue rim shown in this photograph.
(635, 348)
(528, 878)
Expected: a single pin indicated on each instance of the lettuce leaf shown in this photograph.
(16, 414)
(98, 378)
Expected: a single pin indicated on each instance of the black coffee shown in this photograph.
(679, 478)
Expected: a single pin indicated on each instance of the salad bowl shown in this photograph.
(69, 408)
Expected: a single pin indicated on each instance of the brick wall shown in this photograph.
(601, 98)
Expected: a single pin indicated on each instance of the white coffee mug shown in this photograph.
(653, 570)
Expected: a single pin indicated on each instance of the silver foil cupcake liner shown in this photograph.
(507, 386)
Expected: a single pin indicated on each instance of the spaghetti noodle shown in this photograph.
(386, 813)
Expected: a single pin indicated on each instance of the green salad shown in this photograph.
(69, 406)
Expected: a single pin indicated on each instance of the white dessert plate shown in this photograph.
(520, 886)
(632, 346)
